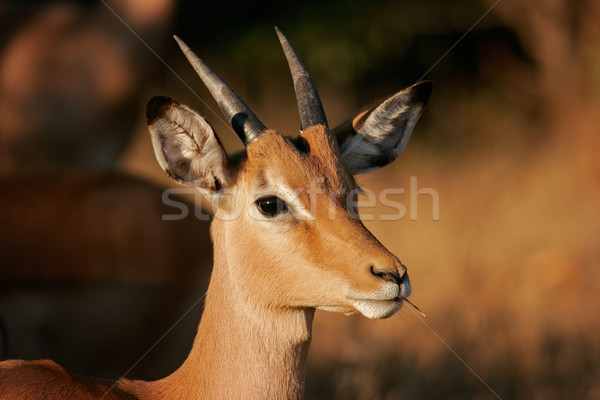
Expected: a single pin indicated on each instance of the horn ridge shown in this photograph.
(244, 122)
(309, 103)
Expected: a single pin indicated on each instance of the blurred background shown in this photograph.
(508, 275)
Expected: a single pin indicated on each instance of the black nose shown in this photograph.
(387, 275)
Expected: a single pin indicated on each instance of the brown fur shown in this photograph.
(269, 274)
(44, 379)
(254, 286)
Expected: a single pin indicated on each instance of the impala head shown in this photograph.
(285, 223)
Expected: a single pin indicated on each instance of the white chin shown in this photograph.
(377, 309)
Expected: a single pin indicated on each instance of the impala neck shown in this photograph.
(242, 351)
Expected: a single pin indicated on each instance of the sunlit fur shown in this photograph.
(269, 274)
(293, 261)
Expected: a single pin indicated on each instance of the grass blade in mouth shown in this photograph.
(415, 307)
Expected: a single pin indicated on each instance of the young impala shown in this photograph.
(285, 237)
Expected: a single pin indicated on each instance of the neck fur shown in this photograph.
(241, 351)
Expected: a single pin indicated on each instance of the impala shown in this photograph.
(285, 243)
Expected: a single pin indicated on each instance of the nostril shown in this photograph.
(401, 278)
(387, 275)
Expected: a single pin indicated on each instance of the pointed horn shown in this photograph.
(247, 126)
(309, 103)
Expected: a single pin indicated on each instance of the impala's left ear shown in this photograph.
(375, 137)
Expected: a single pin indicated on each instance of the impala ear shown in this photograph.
(377, 136)
(186, 146)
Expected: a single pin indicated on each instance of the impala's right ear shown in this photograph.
(186, 146)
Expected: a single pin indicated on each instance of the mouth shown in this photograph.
(382, 303)
(380, 309)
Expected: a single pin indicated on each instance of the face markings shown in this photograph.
(323, 181)
(292, 198)
(304, 204)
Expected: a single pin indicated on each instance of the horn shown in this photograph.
(309, 103)
(247, 126)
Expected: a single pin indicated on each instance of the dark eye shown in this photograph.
(271, 206)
